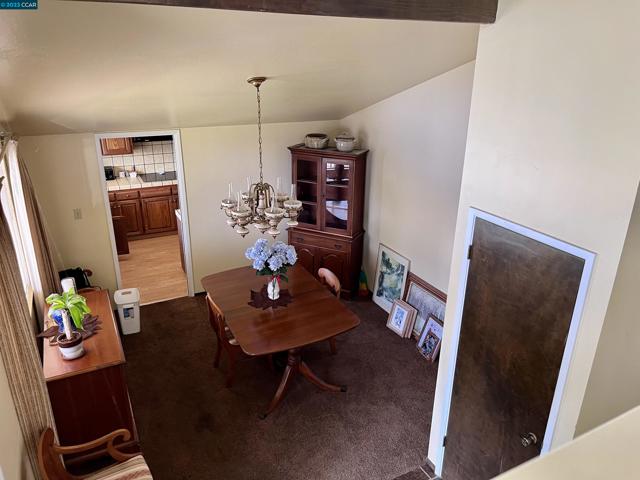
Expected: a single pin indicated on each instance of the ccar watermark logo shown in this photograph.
(19, 5)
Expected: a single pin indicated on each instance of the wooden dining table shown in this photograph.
(313, 315)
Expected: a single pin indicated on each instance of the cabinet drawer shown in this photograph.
(317, 241)
(174, 189)
(112, 196)
(126, 194)
(148, 192)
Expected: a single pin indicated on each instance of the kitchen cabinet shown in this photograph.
(120, 234)
(147, 211)
(116, 146)
(330, 184)
(158, 214)
(130, 210)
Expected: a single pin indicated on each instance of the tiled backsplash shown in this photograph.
(147, 157)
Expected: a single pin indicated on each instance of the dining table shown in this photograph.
(313, 315)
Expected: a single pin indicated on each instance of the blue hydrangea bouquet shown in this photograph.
(272, 260)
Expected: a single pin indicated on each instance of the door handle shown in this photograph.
(528, 439)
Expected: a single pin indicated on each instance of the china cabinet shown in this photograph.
(330, 184)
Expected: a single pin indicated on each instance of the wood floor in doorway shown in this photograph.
(153, 267)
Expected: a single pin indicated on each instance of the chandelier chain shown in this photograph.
(259, 131)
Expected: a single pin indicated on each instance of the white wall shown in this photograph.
(416, 141)
(66, 175)
(553, 145)
(214, 156)
(610, 451)
(613, 384)
(14, 464)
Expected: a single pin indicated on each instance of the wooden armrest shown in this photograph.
(50, 462)
(116, 454)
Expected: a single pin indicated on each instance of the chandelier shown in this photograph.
(261, 204)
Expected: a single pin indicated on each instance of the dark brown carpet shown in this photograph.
(192, 427)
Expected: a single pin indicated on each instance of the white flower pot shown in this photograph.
(70, 349)
(273, 289)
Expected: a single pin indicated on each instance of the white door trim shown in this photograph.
(182, 196)
(588, 258)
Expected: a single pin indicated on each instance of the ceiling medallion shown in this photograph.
(261, 205)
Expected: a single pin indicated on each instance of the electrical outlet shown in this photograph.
(77, 214)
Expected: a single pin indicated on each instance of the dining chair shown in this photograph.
(332, 282)
(225, 340)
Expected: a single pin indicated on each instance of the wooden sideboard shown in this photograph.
(89, 395)
(330, 184)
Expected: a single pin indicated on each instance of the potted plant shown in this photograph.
(272, 261)
(68, 310)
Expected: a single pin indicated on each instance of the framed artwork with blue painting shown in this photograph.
(391, 275)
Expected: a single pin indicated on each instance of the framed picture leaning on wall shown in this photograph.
(425, 298)
(430, 339)
(402, 318)
(391, 276)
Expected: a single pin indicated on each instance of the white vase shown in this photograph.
(273, 289)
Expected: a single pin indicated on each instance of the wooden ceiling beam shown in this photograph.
(468, 11)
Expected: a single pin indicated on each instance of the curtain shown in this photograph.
(19, 352)
(42, 243)
(37, 243)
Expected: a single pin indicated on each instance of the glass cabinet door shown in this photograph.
(306, 180)
(337, 185)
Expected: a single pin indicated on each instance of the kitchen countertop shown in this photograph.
(128, 183)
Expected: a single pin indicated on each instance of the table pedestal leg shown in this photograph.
(317, 381)
(294, 366)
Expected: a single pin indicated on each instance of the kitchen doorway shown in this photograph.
(144, 195)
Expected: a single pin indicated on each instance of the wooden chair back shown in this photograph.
(216, 318)
(331, 280)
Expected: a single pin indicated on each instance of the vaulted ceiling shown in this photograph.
(86, 67)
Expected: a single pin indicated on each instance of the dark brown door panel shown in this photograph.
(519, 301)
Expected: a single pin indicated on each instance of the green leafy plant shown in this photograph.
(75, 304)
